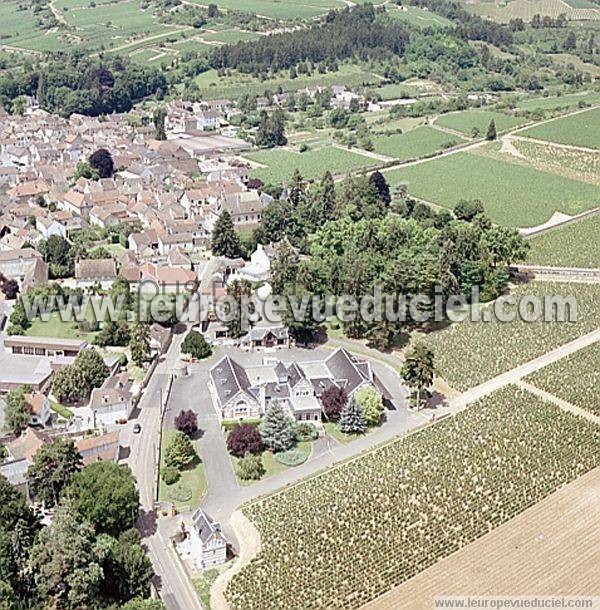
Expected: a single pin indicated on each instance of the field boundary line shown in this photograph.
(532, 232)
(573, 147)
(559, 402)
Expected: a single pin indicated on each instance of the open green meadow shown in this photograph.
(575, 379)
(514, 194)
(575, 245)
(469, 353)
(312, 164)
(468, 120)
(416, 143)
(372, 523)
(581, 129)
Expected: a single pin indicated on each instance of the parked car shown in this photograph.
(137, 428)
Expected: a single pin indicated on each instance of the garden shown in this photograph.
(350, 534)
(500, 185)
(574, 245)
(469, 353)
(260, 449)
(182, 479)
(575, 379)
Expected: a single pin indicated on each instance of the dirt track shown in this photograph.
(550, 549)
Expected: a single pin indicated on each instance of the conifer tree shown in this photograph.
(351, 419)
(491, 131)
(225, 241)
(277, 428)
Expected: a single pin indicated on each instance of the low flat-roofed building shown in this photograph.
(18, 370)
(43, 346)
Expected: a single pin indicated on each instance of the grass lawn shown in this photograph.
(514, 195)
(271, 465)
(332, 429)
(468, 120)
(575, 245)
(312, 163)
(58, 329)
(413, 144)
(582, 129)
(61, 410)
(204, 582)
(192, 479)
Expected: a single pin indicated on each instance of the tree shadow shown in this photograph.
(147, 523)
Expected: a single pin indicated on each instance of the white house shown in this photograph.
(203, 543)
(112, 402)
(49, 227)
(39, 409)
(259, 267)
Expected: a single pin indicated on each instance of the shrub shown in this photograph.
(244, 438)
(170, 475)
(305, 431)
(229, 424)
(250, 468)
(293, 457)
(180, 493)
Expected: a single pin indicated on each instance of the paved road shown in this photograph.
(175, 587)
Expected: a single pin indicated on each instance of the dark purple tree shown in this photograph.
(10, 289)
(378, 180)
(255, 183)
(333, 399)
(244, 438)
(187, 422)
(102, 162)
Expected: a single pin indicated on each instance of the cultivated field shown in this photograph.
(288, 9)
(526, 9)
(562, 101)
(469, 353)
(312, 163)
(514, 194)
(575, 245)
(419, 17)
(575, 379)
(354, 532)
(18, 29)
(549, 549)
(581, 129)
(573, 163)
(414, 144)
(466, 121)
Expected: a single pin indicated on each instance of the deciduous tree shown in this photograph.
(54, 464)
(187, 422)
(333, 399)
(244, 438)
(180, 451)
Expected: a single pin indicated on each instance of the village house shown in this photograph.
(112, 402)
(102, 448)
(39, 409)
(240, 392)
(203, 543)
(95, 272)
